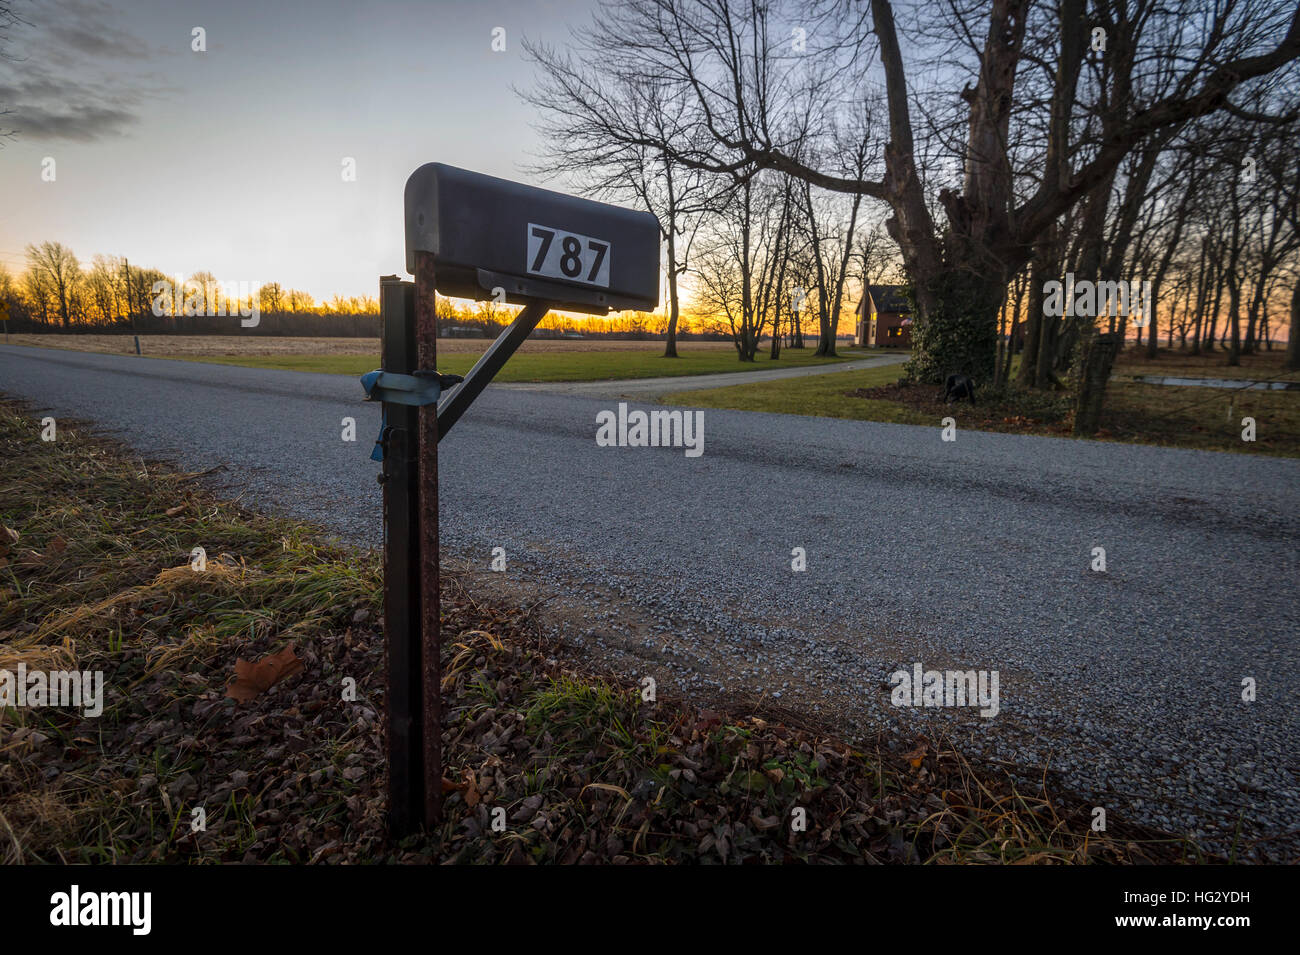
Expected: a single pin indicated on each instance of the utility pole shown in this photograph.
(126, 265)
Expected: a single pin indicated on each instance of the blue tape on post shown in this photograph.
(412, 390)
(377, 454)
(397, 389)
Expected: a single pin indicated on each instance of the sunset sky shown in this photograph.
(230, 160)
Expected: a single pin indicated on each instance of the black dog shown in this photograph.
(958, 387)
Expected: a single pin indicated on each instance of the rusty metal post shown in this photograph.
(402, 619)
(426, 340)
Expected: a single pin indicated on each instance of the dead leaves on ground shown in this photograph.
(253, 679)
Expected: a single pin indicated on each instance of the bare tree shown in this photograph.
(740, 262)
(105, 289)
(590, 125)
(56, 274)
(270, 298)
(1163, 76)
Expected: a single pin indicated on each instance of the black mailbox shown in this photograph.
(471, 236)
(492, 238)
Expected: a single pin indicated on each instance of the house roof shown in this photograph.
(887, 298)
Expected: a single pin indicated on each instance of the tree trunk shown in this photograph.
(844, 272)
(1019, 293)
(1047, 344)
(1097, 358)
(1293, 336)
(748, 345)
(1028, 374)
(1214, 313)
(1250, 346)
(1153, 323)
(1234, 320)
(1002, 334)
(674, 303)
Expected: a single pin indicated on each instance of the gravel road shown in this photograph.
(965, 555)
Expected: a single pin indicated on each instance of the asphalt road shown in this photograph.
(972, 554)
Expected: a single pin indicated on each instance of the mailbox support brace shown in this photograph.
(455, 402)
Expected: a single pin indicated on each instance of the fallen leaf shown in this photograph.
(915, 757)
(708, 720)
(173, 511)
(253, 679)
(329, 849)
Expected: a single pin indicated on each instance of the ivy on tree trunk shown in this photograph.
(956, 332)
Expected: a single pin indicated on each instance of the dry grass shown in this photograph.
(238, 346)
(186, 346)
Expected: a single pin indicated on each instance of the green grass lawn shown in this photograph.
(821, 395)
(547, 366)
(1208, 418)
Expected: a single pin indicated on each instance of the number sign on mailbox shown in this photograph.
(563, 255)
(492, 238)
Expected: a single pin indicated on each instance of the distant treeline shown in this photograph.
(57, 294)
(290, 325)
(286, 324)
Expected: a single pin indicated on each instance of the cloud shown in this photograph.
(43, 105)
(54, 85)
(96, 42)
(81, 124)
